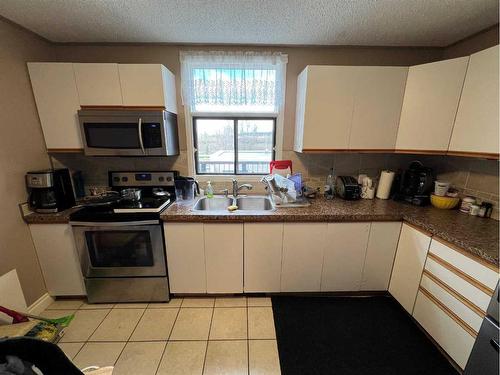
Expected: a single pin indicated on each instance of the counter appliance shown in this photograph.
(50, 190)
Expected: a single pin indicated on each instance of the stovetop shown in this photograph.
(147, 208)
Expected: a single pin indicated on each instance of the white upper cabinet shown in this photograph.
(148, 85)
(57, 102)
(325, 100)
(348, 107)
(408, 266)
(98, 84)
(476, 125)
(377, 107)
(344, 256)
(430, 105)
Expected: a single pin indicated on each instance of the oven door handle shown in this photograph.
(141, 141)
(114, 224)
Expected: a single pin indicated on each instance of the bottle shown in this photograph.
(330, 185)
(209, 191)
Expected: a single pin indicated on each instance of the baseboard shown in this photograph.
(40, 304)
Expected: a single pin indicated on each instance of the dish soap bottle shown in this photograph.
(209, 191)
(330, 185)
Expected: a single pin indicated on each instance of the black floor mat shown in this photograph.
(352, 336)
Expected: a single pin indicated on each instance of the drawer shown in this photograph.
(447, 298)
(457, 283)
(451, 336)
(485, 274)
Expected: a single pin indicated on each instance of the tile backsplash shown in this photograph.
(475, 177)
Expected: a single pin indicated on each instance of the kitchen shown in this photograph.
(358, 103)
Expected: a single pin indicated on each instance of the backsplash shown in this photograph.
(475, 177)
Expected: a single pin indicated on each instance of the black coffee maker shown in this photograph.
(50, 190)
(414, 185)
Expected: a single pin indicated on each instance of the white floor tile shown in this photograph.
(192, 324)
(139, 358)
(226, 358)
(98, 354)
(118, 325)
(83, 325)
(155, 324)
(183, 358)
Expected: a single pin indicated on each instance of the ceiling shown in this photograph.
(269, 22)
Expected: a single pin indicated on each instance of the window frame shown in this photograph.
(235, 119)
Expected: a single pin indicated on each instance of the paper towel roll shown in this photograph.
(384, 184)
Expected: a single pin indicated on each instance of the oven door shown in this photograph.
(120, 249)
(122, 133)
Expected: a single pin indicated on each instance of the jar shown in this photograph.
(467, 202)
(474, 210)
(482, 210)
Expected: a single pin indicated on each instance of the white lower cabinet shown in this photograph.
(408, 266)
(185, 247)
(344, 256)
(224, 257)
(380, 253)
(263, 245)
(303, 249)
(58, 259)
(451, 336)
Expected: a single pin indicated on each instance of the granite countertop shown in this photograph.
(478, 236)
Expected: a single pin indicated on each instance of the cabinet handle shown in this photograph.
(495, 344)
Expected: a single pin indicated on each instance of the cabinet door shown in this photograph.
(377, 107)
(344, 256)
(329, 100)
(408, 266)
(224, 257)
(303, 249)
(185, 247)
(476, 125)
(98, 84)
(147, 85)
(430, 104)
(263, 244)
(380, 253)
(58, 259)
(57, 102)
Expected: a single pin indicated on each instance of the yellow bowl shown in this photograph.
(445, 203)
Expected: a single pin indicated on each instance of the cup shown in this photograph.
(441, 188)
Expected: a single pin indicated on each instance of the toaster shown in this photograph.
(347, 188)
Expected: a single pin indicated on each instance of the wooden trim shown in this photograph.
(346, 150)
(423, 152)
(418, 228)
(456, 294)
(473, 257)
(461, 274)
(484, 155)
(448, 312)
(123, 108)
(64, 150)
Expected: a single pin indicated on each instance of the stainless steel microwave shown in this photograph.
(129, 132)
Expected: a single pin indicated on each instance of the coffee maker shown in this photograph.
(414, 185)
(50, 190)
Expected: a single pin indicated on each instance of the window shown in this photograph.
(234, 145)
(234, 101)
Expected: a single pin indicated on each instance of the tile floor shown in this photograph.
(230, 335)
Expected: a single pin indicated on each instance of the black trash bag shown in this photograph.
(47, 357)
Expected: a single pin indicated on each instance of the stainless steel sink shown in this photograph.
(247, 203)
(254, 203)
(213, 204)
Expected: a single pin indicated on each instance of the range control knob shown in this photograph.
(116, 179)
(169, 179)
(124, 179)
(161, 178)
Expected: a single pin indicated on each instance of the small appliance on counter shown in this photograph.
(120, 241)
(50, 191)
(414, 185)
(347, 188)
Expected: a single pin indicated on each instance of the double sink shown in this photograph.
(244, 203)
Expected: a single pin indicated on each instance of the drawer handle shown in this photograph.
(495, 344)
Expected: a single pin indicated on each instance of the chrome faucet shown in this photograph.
(237, 188)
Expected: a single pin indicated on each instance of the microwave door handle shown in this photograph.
(141, 142)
